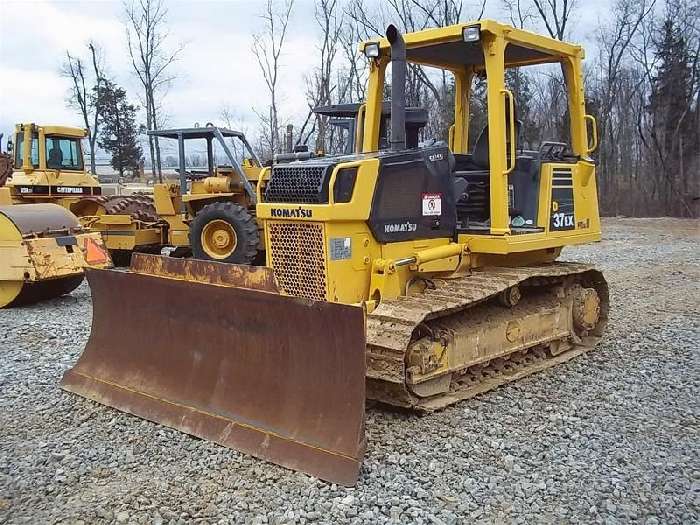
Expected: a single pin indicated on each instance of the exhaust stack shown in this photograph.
(398, 88)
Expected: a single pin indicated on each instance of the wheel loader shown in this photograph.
(417, 277)
(217, 204)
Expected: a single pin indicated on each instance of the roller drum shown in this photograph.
(18, 223)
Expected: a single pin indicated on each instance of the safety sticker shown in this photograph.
(432, 204)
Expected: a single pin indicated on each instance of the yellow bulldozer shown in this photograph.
(52, 170)
(415, 276)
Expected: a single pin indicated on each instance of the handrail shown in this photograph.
(511, 103)
(594, 146)
(360, 128)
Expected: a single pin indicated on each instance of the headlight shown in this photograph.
(372, 50)
(471, 34)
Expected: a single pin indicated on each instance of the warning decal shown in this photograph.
(95, 254)
(432, 204)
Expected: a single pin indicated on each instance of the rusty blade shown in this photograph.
(274, 376)
(212, 272)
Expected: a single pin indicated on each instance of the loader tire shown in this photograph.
(224, 232)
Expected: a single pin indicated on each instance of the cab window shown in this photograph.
(19, 150)
(63, 153)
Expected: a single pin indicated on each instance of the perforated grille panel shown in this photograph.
(298, 258)
(297, 184)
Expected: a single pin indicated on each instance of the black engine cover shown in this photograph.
(414, 197)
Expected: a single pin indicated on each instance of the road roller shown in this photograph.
(44, 250)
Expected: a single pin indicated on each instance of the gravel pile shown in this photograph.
(609, 437)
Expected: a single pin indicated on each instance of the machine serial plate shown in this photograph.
(340, 248)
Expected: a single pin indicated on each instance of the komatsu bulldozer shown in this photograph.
(417, 276)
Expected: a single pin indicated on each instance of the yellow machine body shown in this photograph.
(448, 255)
(44, 251)
(49, 167)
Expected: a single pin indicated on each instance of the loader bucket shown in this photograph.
(212, 350)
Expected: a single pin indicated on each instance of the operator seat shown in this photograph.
(480, 153)
(471, 183)
(55, 159)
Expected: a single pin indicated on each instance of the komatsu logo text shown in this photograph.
(297, 213)
(400, 227)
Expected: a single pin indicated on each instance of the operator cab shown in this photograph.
(497, 183)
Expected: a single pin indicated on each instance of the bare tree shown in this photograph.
(267, 48)
(613, 82)
(233, 120)
(353, 76)
(85, 87)
(520, 15)
(321, 85)
(555, 15)
(146, 36)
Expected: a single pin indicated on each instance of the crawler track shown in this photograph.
(394, 325)
(138, 206)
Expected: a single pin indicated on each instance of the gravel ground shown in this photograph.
(610, 437)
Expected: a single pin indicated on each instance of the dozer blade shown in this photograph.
(193, 346)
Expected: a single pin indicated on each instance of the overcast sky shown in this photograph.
(215, 70)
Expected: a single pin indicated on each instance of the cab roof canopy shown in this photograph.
(202, 132)
(64, 131)
(445, 47)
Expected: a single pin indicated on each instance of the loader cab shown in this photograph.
(502, 187)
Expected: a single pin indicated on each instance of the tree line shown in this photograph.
(110, 119)
(642, 80)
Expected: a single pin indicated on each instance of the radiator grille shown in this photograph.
(298, 258)
(297, 184)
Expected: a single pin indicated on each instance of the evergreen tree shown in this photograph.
(674, 132)
(119, 132)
